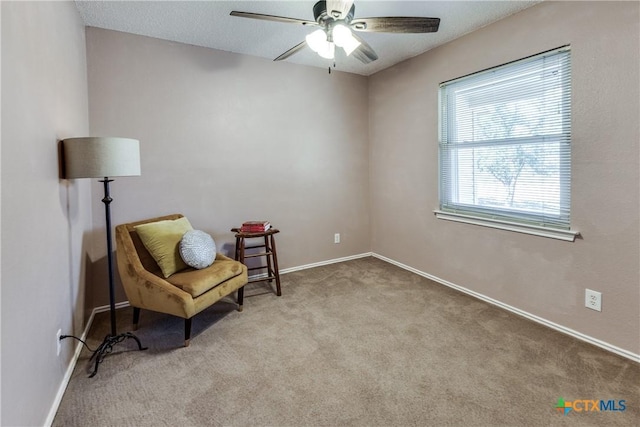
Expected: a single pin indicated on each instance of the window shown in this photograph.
(505, 146)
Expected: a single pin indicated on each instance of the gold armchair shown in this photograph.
(184, 293)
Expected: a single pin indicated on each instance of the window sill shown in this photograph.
(566, 235)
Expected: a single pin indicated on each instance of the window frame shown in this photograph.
(538, 222)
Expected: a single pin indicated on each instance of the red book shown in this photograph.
(255, 223)
(255, 226)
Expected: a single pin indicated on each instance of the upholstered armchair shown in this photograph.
(184, 293)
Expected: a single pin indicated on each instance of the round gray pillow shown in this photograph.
(197, 249)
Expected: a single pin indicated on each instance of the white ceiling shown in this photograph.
(208, 24)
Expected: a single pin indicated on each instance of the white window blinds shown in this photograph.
(505, 142)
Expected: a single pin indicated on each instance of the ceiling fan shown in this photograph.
(335, 19)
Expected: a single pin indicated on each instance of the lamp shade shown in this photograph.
(97, 157)
(343, 37)
(318, 42)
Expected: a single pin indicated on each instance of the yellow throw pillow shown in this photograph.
(162, 240)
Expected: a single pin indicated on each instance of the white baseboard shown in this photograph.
(321, 263)
(74, 361)
(67, 375)
(604, 345)
(104, 308)
(315, 264)
(568, 331)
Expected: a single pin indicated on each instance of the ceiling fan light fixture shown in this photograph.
(329, 51)
(336, 23)
(318, 42)
(343, 38)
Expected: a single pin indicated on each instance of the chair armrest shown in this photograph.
(145, 289)
(222, 257)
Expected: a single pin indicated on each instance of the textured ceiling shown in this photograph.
(208, 24)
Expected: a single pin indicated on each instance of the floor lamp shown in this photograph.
(103, 158)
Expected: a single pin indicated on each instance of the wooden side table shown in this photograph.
(268, 250)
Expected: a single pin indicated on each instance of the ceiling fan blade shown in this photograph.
(273, 18)
(396, 24)
(338, 9)
(291, 51)
(364, 52)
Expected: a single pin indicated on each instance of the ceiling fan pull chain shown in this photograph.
(334, 66)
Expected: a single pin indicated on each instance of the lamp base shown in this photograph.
(107, 347)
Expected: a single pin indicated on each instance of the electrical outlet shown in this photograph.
(58, 341)
(336, 238)
(593, 300)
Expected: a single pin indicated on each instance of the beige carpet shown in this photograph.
(361, 343)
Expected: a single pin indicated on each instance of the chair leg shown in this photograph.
(240, 298)
(136, 317)
(187, 331)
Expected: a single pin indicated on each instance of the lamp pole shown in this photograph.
(112, 338)
(107, 212)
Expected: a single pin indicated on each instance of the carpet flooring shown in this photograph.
(359, 343)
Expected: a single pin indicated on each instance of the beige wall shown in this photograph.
(44, 219)
(227, 138)
(541, 276)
